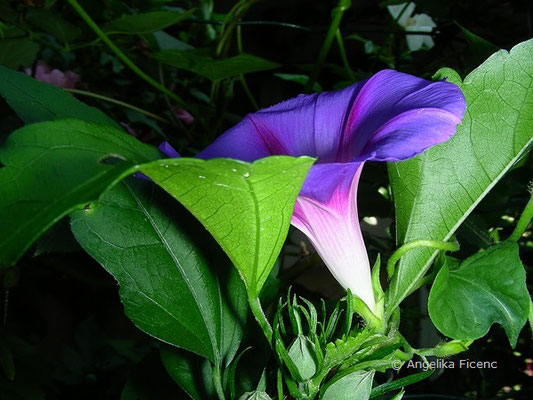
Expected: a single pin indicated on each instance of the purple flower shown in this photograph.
(389, 117)
(44, 73)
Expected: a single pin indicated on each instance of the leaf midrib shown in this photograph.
(213, 340)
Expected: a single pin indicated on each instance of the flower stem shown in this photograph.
(523, 222)
(88, 20)
(344, 57)
(260, 317)
(119, 103)
(217, 381)
(235, 15)
(336, 19)
(432, 244)
(241, 76)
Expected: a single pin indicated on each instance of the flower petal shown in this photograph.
(409, 134)
(395, 11)
(332, 226)
(424, 22)
(306, 125)
(385, 96)
(168, 150)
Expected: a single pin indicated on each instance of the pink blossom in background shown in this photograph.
(183, 115)
(45, 73)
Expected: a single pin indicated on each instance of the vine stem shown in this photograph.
(260, 317)
(101, 34)
(432, 244)
(119, 103)
(217, 381)
(337, 14)
(344, 57)
(524, 220)
(241, 76)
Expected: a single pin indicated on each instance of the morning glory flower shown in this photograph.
(414, 23)
(390, 117)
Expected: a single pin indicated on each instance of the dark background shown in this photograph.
(61, 312)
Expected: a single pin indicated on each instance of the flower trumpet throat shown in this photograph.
(389, 117)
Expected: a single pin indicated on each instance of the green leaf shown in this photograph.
(487, 288)
(16, 53)
(436, 191)
(186, 370)
(214, 69)
(247, 207)
(302, 354)
(168, 285)
(50, 22)
(146, 22)
(53, 168)
(355, 385)
(300, 79)
(479, 47)
(35, 101)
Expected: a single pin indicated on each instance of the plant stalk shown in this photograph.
(523, 222)
(260, 317)
(123, 57)
(119, 103)
(217, 381)
(432, 244)
(344, 57)
(336, 19)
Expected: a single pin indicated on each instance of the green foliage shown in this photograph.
(146, 22)
(35, 101)
(175, 282)
(53, 24)
(53, 168)
(186, 370)
(246, 207)
(496, 130)
(16, 53)
(488, 287)
(170, 288)
(211, 68)
(355, 385)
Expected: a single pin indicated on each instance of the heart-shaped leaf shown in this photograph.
(437, 190)
(247, 207)
(174, 283)
(487, 288)
(52, 168)
(146, 22)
